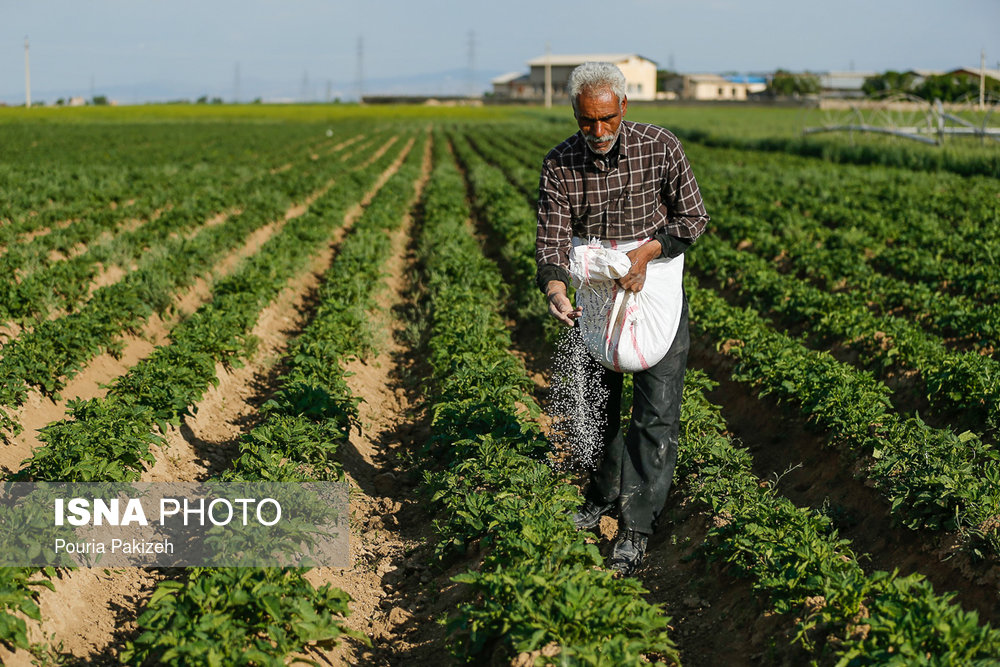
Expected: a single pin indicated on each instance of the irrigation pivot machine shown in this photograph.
(907, 116)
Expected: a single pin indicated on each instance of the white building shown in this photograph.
(714, 87)
(640, 76)
(843, 84)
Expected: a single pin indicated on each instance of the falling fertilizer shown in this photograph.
(577, 401)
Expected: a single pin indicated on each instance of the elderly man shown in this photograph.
(618, 180)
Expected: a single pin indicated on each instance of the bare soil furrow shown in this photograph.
(89, 610)
(387, 522)
(123, 227)
(330, 150)
(812, 474)
(28, 237)
(206, 441)
(91, 381)
(109, 274)
(203, 445)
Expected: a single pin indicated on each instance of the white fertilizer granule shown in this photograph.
(576, 404)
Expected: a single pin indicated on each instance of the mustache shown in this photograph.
(593, 139)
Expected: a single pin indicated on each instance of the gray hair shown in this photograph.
(596, 76)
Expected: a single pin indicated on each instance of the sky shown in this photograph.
(141, 50)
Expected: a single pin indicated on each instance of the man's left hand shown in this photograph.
(636, 276)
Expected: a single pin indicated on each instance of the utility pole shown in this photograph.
(27, 76)
(982, 79)
(548, 76)
(236, 85)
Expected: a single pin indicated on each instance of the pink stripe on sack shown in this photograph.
(635, 344)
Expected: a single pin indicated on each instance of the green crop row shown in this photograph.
(519, 162)
(940, 218)
(503, 208)
(521, 166)
(936, 211)
(840, 252)
(55, 172)
(932, 478)
(928, 231)
(42, 283)
(21, 259)
(109, 439)
(799, 564)
(18, 586)
(539, 583)
(303, 426)
(55, 350)
(955, 381)
(907, 157)
(911, 225)
(834, 262)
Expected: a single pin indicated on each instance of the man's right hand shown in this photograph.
(560, 306)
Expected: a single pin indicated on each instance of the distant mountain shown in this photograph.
(446, 82)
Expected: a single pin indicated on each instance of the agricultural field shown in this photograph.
(326, 293)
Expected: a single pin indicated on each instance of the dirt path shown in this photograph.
(813, 475)
(206, 442)
(28, 237)
(40, 410)
(202, 446)
(396, 594)
(110, 274)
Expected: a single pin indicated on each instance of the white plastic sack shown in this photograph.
(625, 331)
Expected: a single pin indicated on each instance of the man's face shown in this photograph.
(599, 115)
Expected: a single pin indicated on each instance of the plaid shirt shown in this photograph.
(642, 188)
